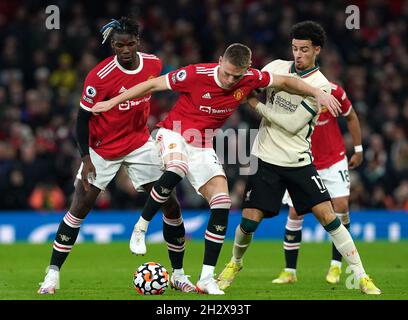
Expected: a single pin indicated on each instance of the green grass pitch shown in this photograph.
(105, 272)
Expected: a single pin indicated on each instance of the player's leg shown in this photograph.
(251, 218)
(309, 193)
(174, 157)
(344, 243)
(341, 208)
(262, 199)
(67, 234)
(336, 180)
(174, 235)
(68, 230)
(291, 245)
(215, 191)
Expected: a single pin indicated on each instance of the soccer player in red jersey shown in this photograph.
(119, 137)
(330, 159)
(209, 94)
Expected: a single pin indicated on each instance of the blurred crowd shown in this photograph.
(42, 73)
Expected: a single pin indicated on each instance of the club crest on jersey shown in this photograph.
(181, 75)
(172, 145)
(238, 94)
(90, 91)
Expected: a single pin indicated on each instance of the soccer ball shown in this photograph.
(151, 278)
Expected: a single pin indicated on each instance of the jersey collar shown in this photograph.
(137, 70)
(217, 81)
(304, 73)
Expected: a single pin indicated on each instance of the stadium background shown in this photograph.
(42, 73)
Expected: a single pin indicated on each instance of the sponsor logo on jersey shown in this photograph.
(205, 109)
(131, 103)
(285, 104)
(210, 110)
(206, 96)
(90, 91)
(238, 94)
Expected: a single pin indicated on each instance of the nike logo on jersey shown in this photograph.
(206, 96)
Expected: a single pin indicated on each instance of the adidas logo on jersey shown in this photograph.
(123, 89)
(206, 96)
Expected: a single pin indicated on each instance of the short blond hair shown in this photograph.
(238, 54)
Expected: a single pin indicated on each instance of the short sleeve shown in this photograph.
(345, 103)
(182, 79)
(94, 91)
(262, 79)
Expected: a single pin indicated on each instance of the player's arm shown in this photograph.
(82, 137)
(296, 86)
(137, 91)
(353, 125)
(285, 121)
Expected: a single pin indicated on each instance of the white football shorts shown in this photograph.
(203, 163)
(143, 165)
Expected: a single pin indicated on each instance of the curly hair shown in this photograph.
(309, 30)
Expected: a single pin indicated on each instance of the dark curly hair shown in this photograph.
(309, 30)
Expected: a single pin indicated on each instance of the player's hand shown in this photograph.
(102, 106)
(252, 99)
(355, 160)
(330, 102)
(88, 170)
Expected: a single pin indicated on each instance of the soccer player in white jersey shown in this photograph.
(329, 157)
(209, 94)
(119, 137)
(282, 149)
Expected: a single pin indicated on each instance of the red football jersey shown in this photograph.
(203, 105)
(327, 141)
(122, 129)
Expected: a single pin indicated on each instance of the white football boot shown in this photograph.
(182, 283)
(137, 241)
(51, 282)
(209, 286)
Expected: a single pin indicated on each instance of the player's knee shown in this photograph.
(294, 225)
(343, 217)
(248, 225)
(220, 201)
(179, 167)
